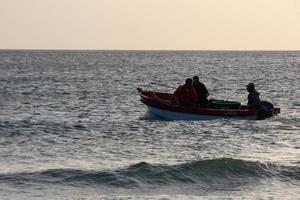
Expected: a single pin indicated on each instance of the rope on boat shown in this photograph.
(167, 86)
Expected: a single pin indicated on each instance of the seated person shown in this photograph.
(201, 91)
(186, 94)
(253, 97)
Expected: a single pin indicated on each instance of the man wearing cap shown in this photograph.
(253, 97)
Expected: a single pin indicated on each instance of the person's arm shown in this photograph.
(253, 100)
(256, 101)
(176, 94)
(178, 91)
(206, 91)
(249, 100)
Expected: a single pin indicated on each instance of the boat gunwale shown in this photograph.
(159, 103)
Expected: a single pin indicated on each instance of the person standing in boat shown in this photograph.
(201, 91)
(253, 97)
(186, 94)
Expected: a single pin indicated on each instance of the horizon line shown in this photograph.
(214, 50)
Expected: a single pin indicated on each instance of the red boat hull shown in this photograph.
(162, 102)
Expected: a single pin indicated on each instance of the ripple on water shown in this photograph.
(78, 113)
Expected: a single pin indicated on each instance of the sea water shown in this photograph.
(72, 127)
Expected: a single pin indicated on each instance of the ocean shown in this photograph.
(72, 127)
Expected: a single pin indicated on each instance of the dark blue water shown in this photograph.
(72, 127)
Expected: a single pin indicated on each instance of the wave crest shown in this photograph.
(202, 172)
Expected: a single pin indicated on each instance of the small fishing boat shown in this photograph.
(161, 104)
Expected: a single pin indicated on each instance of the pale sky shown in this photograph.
(150, 24)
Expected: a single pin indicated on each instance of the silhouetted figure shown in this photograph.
(201, 91)
(253, 97)
(186, 94)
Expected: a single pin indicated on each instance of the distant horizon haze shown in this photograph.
(200, 25)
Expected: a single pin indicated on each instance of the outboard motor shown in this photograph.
(265, 110)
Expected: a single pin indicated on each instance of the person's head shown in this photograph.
(188, 81)
(250, 87)
(196, 79)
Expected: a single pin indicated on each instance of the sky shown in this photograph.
(150, 24)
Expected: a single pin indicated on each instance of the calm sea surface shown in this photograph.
(72, 127)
